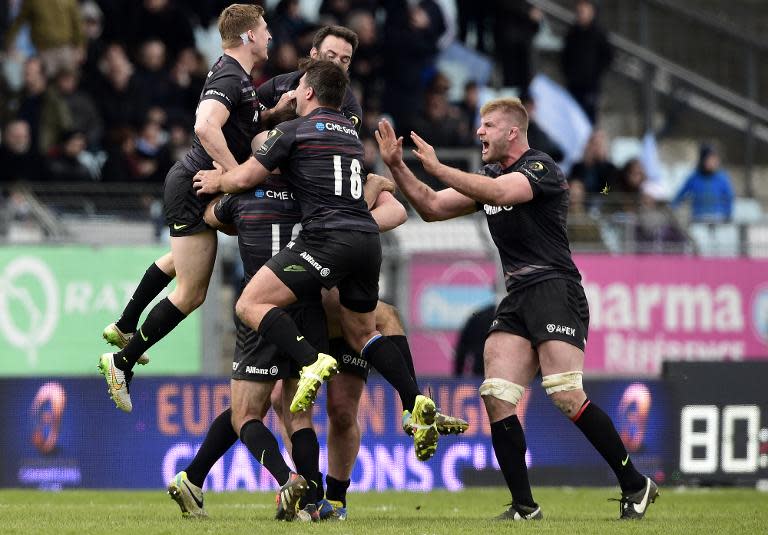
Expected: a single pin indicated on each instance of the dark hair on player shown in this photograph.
(337, 31)
(328, 81)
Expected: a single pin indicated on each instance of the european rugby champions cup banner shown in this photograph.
(55, 302)
(54, 436)
(643, 309)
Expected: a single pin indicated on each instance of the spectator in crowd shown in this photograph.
(42, 108)
(708, 188)
(469, 106)
(283, 58)
(583, 229)
(152, 77)
(154, 159)
(80, 106)
(122, 163)
(595, 169)
(364, 70)
(586, 57)
(119, 97)
(440, 121)
(67, 163)
(474, 14)
(17, 159)
(654, 229)
(472, 341)
(538, 138)
(411, 34)
(180, 139)
(515, 24)
(286, 23)
(187, 80)
(336, 11)
(56, 31)
(162, 20)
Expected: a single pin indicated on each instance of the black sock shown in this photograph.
(306, 457)
(152, 283)
(337, 490)
(161, 320)
(218, 440)
(263, 446)
(383, 355)
(599, 430)
(278, 328)
(401, 342)
(509, 445)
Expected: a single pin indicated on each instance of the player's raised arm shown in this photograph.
(209, 119)
(505, 190)
(430, 204)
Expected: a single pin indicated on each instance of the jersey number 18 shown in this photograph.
(355, 182)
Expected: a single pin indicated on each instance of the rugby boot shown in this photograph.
(311, 377)
(288, 497)
(633, 506)
(308, 514)
(117, 382)
(188, 495)
(331, 510)
(425, 433)
(520, 512)
(114, 336)
(446, 425)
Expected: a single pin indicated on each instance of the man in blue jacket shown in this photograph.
(709, 189)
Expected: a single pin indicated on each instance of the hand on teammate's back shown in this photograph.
(208, 181)
(381, 183)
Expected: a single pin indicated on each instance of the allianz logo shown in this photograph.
(493, 210)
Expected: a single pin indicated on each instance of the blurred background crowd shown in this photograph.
(104, 91)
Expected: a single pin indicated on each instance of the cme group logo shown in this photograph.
(45, 414)
(259, 194)
(320, 126)
(29, 305)
(760, 313)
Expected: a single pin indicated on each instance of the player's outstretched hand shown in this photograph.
(426, 154)
(390, 146)
(287, 101)
(209, 181)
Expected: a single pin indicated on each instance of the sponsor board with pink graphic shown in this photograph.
(643, 309)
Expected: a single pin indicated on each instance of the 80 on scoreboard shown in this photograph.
(722, 429)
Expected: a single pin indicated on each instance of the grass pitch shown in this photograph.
(566, 510)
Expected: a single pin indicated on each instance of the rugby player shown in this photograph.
(338, 245)
(542, 323)
(227, 118)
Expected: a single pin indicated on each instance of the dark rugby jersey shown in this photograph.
(229, 84)
(270, 92)
(321, 156)
(531, 237)
(265, 218)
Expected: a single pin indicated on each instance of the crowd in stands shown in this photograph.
(109, 90)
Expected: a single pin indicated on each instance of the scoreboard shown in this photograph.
(720, 422)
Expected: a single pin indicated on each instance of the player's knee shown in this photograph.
(342, 415)
(190, 298)
(500, 397)
(388, 320)
(565, 390)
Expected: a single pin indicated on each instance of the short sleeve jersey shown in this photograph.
(270, 92)
(266, 217)
(321, 155)
(229, 84)
(532, 236)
